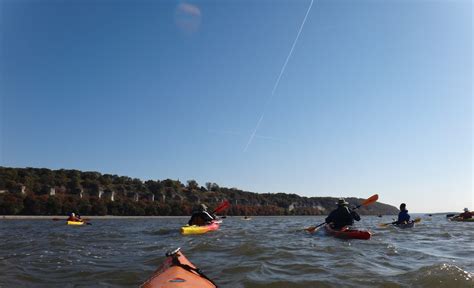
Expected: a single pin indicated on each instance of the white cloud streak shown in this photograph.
(252, 136)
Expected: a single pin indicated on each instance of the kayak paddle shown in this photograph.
(312, 229)
(221, 207)
(417, 220)
(368, 201)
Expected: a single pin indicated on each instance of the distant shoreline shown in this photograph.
(42, 191)
(62, 217)
(111, 217)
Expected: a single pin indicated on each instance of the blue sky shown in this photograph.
(375, 98)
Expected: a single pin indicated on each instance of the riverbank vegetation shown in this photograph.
(40, 191)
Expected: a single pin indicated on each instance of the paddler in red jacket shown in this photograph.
(74, 218)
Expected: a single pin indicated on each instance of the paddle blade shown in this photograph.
(314, 229)
(224, 205)
(417, 220)
(383, 225)
(310, 229)
(370, 200)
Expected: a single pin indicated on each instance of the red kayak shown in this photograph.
(178, 272)
(348, 233)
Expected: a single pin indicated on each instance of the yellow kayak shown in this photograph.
(193, 229)
(75, 223)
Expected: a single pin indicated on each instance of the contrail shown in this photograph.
(257, 136)
(292, 48)
(254, 131)
(279, 76)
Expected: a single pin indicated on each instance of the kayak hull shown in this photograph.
(405, 225)
(170, 275)
(462, 220)
(348, 233)
(77, 223)
(196, 230)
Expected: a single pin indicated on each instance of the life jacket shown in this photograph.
(403, 217)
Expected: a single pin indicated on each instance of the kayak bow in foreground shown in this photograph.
(177, 271)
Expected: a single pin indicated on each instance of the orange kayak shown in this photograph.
(178, 272)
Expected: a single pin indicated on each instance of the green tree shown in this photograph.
(193, 185)
(53, 206)
(69, 205)
(115, 208)
(11, 205)
(99, 208)
(84, 207)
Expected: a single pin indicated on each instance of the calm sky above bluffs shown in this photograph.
(375, 98)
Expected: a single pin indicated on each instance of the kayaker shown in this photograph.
(403, 216)
(201, 217)
(466, 214)
(74, 218)
(342, 216)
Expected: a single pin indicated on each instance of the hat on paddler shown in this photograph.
(342, 202)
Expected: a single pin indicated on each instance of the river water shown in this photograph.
(263, 252)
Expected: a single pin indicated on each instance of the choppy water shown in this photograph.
(265, 252)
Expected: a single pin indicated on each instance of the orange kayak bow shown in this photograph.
(178, 272)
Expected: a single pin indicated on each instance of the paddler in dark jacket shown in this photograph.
(466, 214)
(342, 216)
(201, 217)
(403, 216)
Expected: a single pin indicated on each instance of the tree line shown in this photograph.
(40, 191)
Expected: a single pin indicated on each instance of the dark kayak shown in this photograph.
(348, 233)
(178, 272)
(462, 220)
(405, 225)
